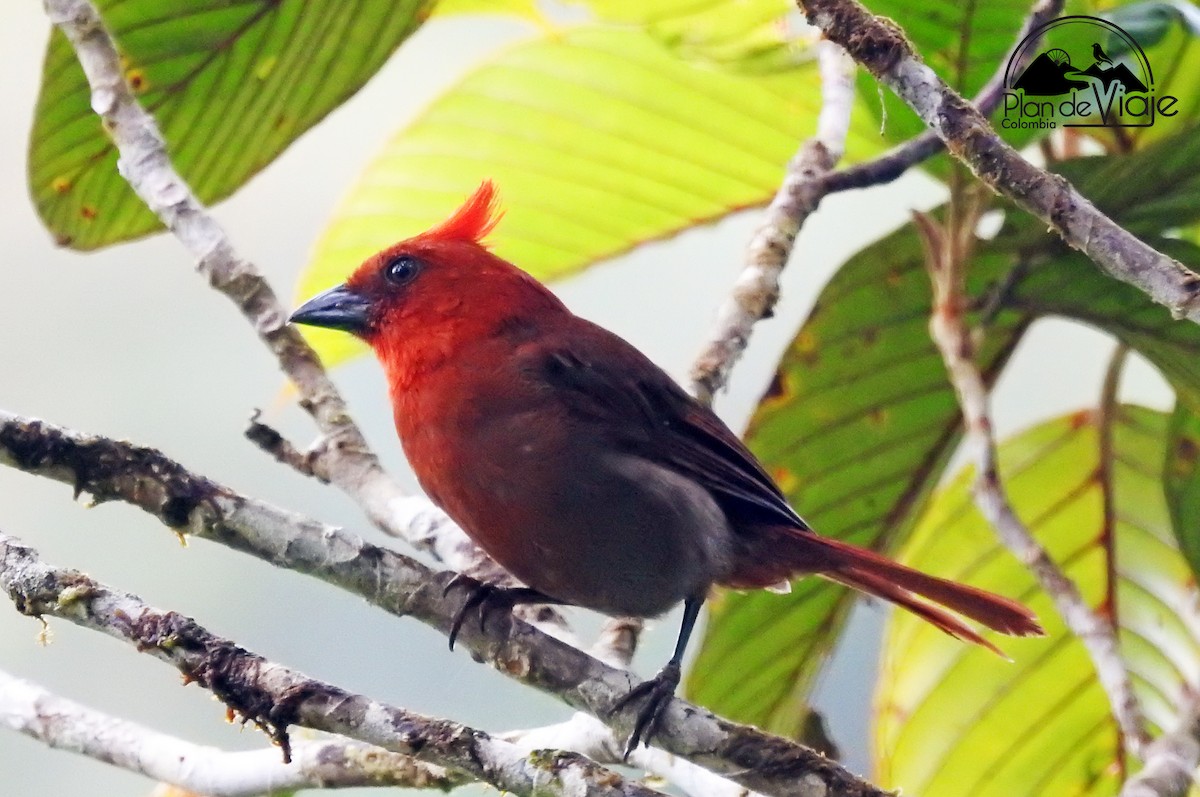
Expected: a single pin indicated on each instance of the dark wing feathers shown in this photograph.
(649, 415)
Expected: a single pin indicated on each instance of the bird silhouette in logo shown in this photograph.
(1099, 54)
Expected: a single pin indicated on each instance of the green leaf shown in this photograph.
(1148, 23)
(599, 138)
(856, 428)
(953, 719)
(1180, 52)
(230, 82)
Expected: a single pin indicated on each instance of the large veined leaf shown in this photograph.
(600, 138)
(231, 83)
(952, 719)
(861, 418)
(856, 429)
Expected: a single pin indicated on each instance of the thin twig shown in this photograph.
(272, 442)
(331, 763)
(188, 503)
(757, 288)
(883, 49)
(947, 254)
(273, 697)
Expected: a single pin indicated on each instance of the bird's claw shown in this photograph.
(656, 694)
(480, 595)
(488, 598)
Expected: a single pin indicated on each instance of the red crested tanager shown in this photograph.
(578, 464)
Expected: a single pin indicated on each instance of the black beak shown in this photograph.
(336, 308)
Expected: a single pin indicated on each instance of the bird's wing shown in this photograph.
(608, 384)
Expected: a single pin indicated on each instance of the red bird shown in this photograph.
(578, 464)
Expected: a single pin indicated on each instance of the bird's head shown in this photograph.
(425, 296)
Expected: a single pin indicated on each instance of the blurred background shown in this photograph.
(130, 343)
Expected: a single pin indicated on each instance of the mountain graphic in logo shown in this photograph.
(1051, 74)
(1119, 73)
(1046, 76)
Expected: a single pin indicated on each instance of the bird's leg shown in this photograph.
(659, 690)
(487, 598)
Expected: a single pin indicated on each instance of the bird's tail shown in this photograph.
(924, 595)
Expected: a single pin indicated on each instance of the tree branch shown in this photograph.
(335, 763)
(189, 503)
(948, 250)
(883, 49)
(273, 697)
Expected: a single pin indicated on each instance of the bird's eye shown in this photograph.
(400, 270)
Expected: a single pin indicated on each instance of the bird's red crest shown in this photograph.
(476, 217)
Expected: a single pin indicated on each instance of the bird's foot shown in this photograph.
(486, 598)
(656, 694)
